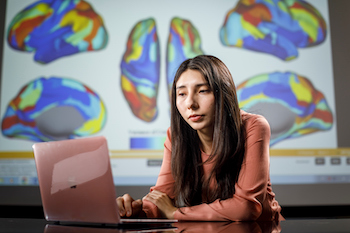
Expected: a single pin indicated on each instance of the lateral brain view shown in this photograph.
(56, 28)
(274, 27)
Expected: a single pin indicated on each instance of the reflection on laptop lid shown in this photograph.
(76, 182)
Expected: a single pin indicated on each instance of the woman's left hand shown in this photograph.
(163, 202)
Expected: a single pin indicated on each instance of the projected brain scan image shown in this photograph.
(275, 27)
(290, 103)
(140, 68)
(53, 29)
(53, 108)
(183, 42)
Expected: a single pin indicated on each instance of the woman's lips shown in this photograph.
(195, 118)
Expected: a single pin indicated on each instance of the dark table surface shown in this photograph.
(290, 225)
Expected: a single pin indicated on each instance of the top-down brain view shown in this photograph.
(56, 28)
(183, 42)
(290, 103)
(140, 67)
(276, 27)
(53, 108)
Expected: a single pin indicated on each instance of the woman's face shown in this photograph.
(195, 101)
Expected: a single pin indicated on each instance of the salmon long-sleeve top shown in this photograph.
(253, 198)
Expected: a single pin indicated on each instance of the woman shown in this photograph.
(216, 156)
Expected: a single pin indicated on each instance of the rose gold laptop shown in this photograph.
(76, 182)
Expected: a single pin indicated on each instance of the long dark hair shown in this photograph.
(228, 138)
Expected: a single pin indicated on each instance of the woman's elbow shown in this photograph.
(251, 211)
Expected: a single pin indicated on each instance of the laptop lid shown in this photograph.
(76, 182)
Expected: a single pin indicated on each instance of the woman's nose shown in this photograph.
(191, 102)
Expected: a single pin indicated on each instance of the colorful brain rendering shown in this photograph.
(290, 103)
(184, 42)
(140, 67)
(276, 27)
(53, 109)
(56, 28)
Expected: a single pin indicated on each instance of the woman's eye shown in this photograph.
(203, 91)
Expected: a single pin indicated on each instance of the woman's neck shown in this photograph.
(206, 142)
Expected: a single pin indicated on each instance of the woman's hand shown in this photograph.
(163, 202)
(128, 207)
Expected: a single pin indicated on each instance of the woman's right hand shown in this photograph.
(128, 207)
